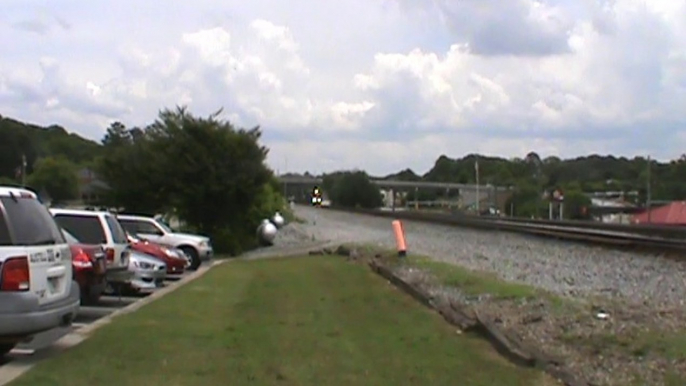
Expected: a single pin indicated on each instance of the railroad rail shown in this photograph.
(652, 237)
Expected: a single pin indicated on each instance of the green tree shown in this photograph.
(56, 176)
(211, 173)
(574, 203)
(133, 170)
(354, 189)
(526, 201)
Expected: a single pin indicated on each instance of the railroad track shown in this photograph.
(658, 238)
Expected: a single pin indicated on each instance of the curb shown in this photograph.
(467, 319)
(12, 370)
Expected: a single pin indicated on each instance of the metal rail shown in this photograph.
(626, 236)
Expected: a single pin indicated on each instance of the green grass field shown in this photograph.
(313, 320)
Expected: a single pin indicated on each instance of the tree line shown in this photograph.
(53, 156)
(531, 177)
(208, 172)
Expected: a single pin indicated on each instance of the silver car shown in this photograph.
(148, 273)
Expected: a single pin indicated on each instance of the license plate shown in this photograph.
(52, 285)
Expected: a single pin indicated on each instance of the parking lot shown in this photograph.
(30, 351)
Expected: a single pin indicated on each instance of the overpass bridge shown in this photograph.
(301, 186)
(400, 185)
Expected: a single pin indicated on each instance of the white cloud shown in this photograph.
(376, 85)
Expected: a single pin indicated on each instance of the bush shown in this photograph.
(353, 189)
(211, 173)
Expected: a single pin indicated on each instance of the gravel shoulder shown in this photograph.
(564, 268)
(641, 341)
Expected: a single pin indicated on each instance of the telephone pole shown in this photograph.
(478, 195)
(285, 184)
(648, 193)
(23, 170)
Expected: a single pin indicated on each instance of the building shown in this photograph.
(89, 185)
(673, 213)
(609, 210)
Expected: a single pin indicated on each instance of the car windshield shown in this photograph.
(70, 238)
(164, 226)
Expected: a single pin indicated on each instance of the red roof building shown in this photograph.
(670, 214)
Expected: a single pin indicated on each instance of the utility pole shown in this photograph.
(285, 184)
(478, 195)
(648, 193)
(23, 170)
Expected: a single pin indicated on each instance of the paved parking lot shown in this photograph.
(26, 352)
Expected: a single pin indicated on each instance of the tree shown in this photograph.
(133, 170)
(354, 189)
(574, 203)
(57, 176)
(212, 174)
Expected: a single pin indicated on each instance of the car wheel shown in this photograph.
(193, 254)
(6, 348)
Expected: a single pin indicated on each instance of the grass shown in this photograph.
(469, 282)
(670, 345)
(311, 320)
(472, 282)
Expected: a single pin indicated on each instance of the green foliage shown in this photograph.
(6, 181)
(133, 169)
(211, 174)
(574, 202)
(352, 189)
(268, 201)
(526, 201)
(57, 177)
(35, 142)
(404, 175)
(423, 195)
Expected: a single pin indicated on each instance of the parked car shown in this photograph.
(175, 259)
(90, 268)
(198, 248)
(148, 273)
(37, 290)
(100, 228)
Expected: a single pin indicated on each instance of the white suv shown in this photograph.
(197, 248)
(37, 290)
(100, 228)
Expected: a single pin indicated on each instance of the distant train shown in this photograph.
(316, 197)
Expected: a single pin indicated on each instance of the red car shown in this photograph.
(89, 266)
(176, 262)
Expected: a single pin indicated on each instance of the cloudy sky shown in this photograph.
(375, 84)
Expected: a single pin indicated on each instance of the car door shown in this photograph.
(118, 240)
(35, 234)
(150, 231)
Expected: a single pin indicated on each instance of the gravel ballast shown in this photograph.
(564, 268)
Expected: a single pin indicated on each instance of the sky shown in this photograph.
(378, 85)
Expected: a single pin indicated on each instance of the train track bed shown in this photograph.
(642, 292)
(656, 239)
(597, 340)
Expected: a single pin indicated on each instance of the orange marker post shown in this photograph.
(399, 238)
